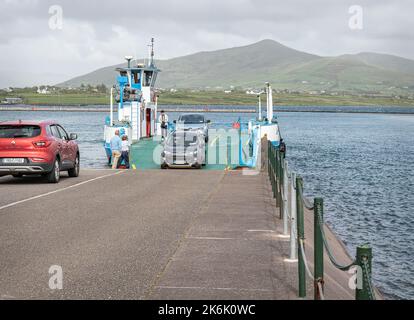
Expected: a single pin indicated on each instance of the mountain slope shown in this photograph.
(285, 68)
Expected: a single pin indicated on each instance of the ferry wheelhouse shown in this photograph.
(136, 99)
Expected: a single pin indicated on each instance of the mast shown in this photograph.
(151, 53)
(269, 102)
(259, 116)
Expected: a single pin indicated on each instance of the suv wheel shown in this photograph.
(54, 175)
(74, 172)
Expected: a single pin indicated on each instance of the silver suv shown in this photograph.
(184, 148)
(193, 121)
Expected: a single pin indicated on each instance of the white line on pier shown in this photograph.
(207, 288)
(210, 238)
(58, 190)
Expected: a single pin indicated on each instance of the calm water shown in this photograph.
(361, 164)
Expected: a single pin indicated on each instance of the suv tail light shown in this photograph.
(37, 159)
(41, 144)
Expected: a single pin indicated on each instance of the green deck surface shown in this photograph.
(146, 154)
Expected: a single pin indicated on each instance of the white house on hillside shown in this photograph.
(43, 91)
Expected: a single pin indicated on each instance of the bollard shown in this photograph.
(364, 253)
(318, 247)
(301, 236)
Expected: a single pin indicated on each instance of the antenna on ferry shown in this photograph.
(129, 58)
(152, 52)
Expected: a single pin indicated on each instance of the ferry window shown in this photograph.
(148, 78)
(137, 78)
(154, 78)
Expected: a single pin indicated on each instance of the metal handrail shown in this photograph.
(329, 251)
(280, 175)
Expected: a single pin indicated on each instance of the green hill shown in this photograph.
(250, 66)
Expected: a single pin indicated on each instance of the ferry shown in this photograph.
(137, 117)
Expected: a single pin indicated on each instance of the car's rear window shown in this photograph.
(19, 131)
(192, 118)
(180, 140)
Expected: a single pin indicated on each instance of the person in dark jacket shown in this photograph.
(282, 148)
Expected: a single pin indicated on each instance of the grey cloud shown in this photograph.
(97, 32)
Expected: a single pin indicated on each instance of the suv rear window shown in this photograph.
(181, 139)
(19, 131)
(192, 118)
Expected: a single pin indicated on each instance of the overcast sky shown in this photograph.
(97, 33)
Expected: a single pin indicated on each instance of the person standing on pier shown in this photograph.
(125, 151)
(282, 148)
(164, 124)
(116, 147)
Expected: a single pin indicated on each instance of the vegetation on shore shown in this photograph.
(83, 97)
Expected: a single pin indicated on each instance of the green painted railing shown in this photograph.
(278, 171)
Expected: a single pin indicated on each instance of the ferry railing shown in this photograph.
(287, 189)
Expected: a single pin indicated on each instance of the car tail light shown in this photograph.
(37, 160)
(41, 144)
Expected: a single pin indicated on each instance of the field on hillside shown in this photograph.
(214, 98)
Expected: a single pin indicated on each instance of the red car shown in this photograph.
(28, 147)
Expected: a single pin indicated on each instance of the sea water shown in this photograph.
(362, 164)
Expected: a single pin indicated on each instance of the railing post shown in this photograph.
(285, 196)
(268, 160)
(273, 171)
(364, 256)
(228, 151)
(293, 248)
(318, 247)
(301, 236)
(280, 183)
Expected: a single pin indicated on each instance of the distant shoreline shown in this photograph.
(220, 109)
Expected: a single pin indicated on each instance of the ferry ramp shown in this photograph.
(144, 234)
(221, 152)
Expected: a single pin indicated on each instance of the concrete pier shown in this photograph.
(151, 234)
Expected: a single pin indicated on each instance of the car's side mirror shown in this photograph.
(73, 136)
(175, 121)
